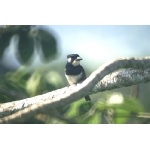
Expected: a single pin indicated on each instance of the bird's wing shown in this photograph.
(84, 75)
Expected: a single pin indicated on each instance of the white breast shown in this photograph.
(74, 79)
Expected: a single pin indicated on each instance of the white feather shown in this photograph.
(76, 63)
(74, 79)
(69, 60)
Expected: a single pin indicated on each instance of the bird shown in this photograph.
(74, 72)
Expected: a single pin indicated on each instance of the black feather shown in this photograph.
(73, 71)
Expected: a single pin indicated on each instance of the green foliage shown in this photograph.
(6, 33)
(49, 45)
(83, 112)
(29, 37)
(4, 42)
(129, 107)
(90, 112)
(22, 83)
(25, 47)
(120, 118)
(13, 85)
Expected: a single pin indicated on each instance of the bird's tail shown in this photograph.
(87, 98)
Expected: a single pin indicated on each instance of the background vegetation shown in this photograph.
(36, 76)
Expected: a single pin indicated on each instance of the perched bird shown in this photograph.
(74, 72)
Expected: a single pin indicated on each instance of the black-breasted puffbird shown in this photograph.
(74, 72)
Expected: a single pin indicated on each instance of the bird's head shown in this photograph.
(74, 59)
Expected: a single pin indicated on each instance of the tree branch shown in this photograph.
(122, 78)
(67, 95)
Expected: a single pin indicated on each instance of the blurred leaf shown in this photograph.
(120, 119)
(27, 35)
(34, 120)
(63, 110)
(84, 107)
(54, 78)
(19, 77)
(33, 83)
(49, 45)
(102, 105)
(4, 42)
(14, 29)
(25, 47)
(74, 109)
(123, 111)
(38, 84)
(132, 105)
(6, 32)
(10, 90)
(93, 119)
